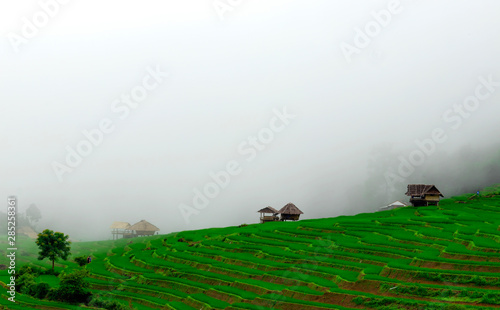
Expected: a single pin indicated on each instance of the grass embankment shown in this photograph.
(445, 257)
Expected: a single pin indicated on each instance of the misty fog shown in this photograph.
(127, 110)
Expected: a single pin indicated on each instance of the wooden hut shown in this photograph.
(121, 229)
(143, 228)
(268, 214)
(290, 212)
(423, 195)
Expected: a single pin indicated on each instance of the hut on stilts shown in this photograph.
(120, 229)
(290, 212)
(143, 228)
(422, 195)
(139, 229)
(268, 214)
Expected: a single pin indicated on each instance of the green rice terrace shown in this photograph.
(444, 257)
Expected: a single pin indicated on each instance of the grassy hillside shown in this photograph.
(445, 257)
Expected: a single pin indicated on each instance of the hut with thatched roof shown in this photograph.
(290, 212)
(143, 228)
(121, 229)
(422, 195)
(268, 214)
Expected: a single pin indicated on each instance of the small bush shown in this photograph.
(25, 282)
(479, 281)
(74, 288)
(50, 272)
(52, 294)
(106, 304)
(491, 298)
(358, 300)
(81, 260)
(24, 269)
(455, 307)
(40, 290)
(446, 293)
(29, 269)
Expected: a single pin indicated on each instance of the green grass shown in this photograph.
(98, 268)
(236, 292)
(263, 284)
(176, 305)
(215, 303)
(260, 266)
(53, 281)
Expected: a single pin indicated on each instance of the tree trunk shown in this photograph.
(52, 266)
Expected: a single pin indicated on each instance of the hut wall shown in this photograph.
(144, 233)
(432, 197)
(418, 202)
(268, 218)
(290, 217)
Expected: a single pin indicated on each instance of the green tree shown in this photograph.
(33, 214)
(53, 246)
(73, 287)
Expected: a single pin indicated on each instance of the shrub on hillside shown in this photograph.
(50, 272)
(455, 307)
(81, 260)
(491, 298)
(24, 282)
(52, 294)
(106, 304)
(28, 269)
(39, 290)
(73, 287)
(35, 270)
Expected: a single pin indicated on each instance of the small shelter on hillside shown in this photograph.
(143, 228)
(422, 195)
(268, 214)
(394, 205)
(290, 212)
(121, 229)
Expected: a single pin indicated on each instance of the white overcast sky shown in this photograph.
(226, 76)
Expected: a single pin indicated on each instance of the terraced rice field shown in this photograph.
(445, 257)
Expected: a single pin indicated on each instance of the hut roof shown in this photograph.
(144, 226)
(268, 210)
(398, 203)
(422, 189)
(120, 225)
(290, 208)
(394, 205)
